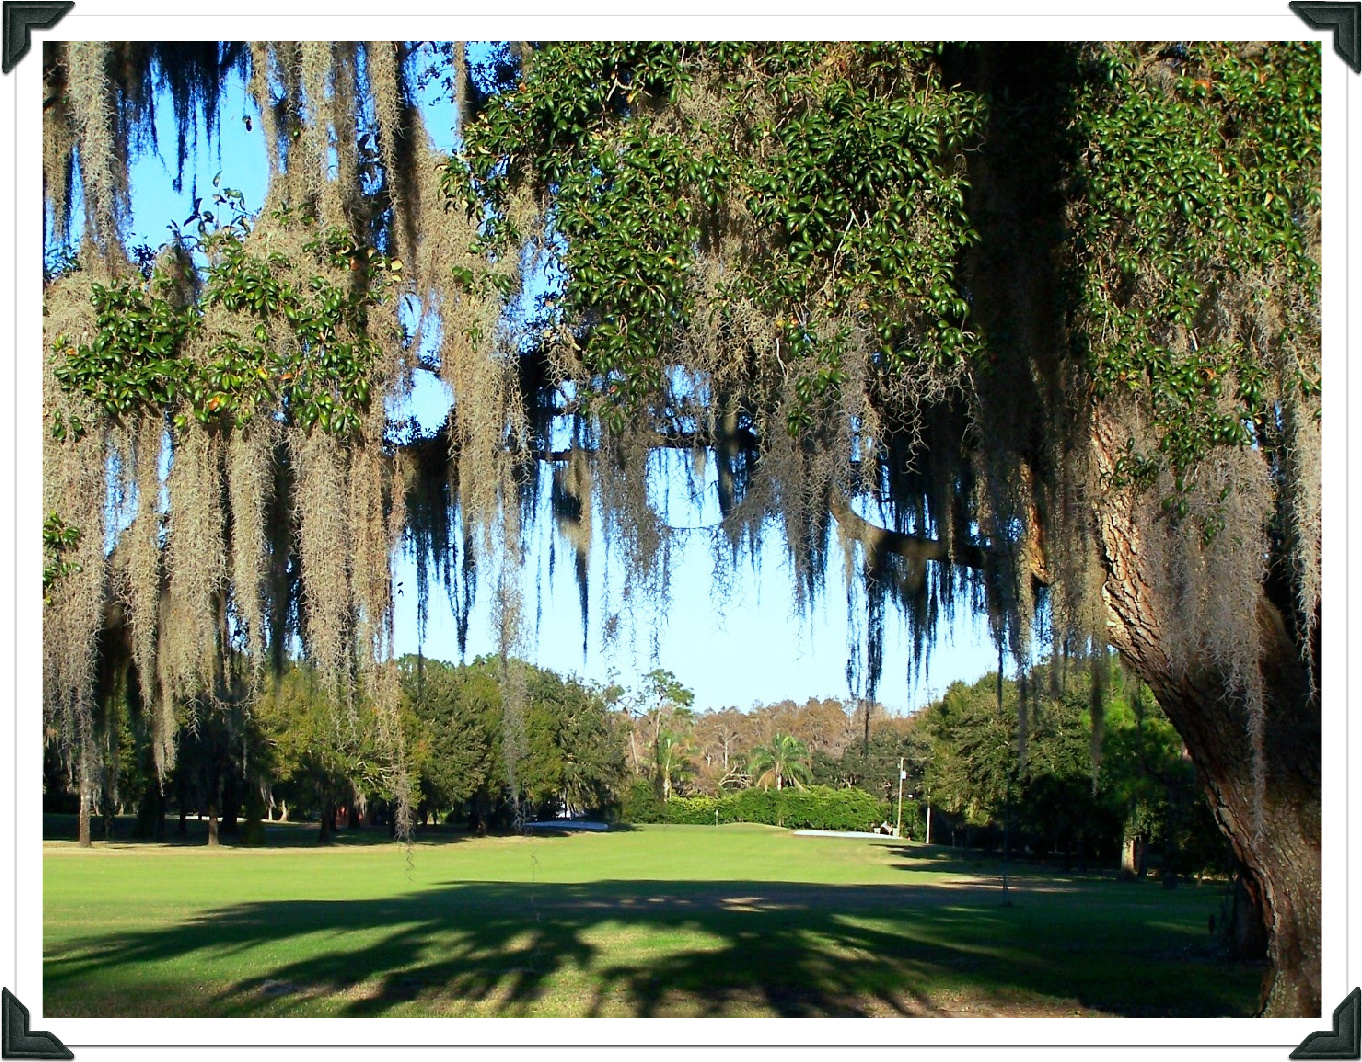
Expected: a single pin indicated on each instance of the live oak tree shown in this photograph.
(1028, 329)
(314, 754)
(574, 757)
(455, 750)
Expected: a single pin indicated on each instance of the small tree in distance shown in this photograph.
(784, 758)
(673, 764)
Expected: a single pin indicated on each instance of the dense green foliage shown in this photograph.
(1066, 798)
(1190, 192)
(318, 758)
(873, 764)
(1035, 327)
(843, 157)
(1196, 172)
(58, 539)
(573, 760)
(812, 808)
(457, 751)
(296, 342)
(741, 235)
(784, 760)
(296, 753)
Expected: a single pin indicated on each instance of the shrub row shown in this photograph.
(814, 808)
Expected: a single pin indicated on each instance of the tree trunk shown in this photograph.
(1021, 298)
(83, 826)
(1132, 855)
(1282, 860)
(328, 820)
(107, 813)
(151, 812)
(213, 823)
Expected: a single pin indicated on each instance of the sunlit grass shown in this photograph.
(668, 920)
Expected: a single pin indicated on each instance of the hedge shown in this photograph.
(817, 807)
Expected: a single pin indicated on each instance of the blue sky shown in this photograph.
(749, 647)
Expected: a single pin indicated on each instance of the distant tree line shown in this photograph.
(295, 756)
(1051, 782)
(1080, 780)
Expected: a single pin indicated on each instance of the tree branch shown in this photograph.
(916, 549)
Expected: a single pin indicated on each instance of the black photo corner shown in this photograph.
(22, 18)
(1345, 1039)
(17, 1040)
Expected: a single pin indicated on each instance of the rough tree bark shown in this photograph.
(1018, 273)
(86, 805)
(231, 801)
(1282, 860)
(1281, 863)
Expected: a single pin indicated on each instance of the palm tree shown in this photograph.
(672, 762)
(786, 757)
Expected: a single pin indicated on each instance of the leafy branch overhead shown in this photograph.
(1199, 238)
(828, 180)
(297, 342)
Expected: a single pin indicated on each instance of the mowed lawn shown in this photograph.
(657, 920)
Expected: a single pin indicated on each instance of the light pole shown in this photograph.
(898, 830)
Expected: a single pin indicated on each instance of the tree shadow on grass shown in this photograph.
(651, 948)
(59, 827)
(947, 859)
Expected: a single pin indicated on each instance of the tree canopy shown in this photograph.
(1034, 328)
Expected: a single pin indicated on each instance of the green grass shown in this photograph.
(659, 920)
